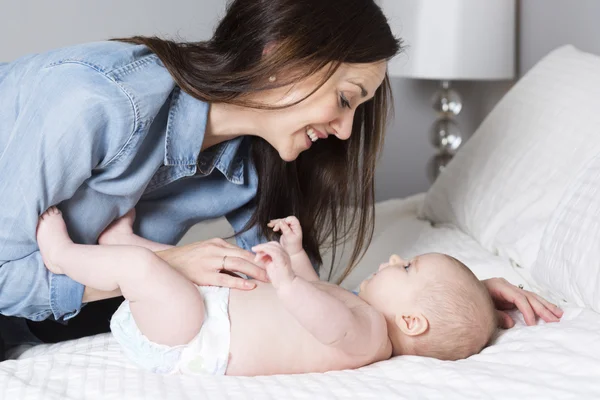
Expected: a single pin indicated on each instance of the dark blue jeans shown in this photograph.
(94, 318)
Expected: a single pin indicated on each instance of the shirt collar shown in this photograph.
(184, 136)
(227, 157)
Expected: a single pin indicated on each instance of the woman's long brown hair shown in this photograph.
(330, 188)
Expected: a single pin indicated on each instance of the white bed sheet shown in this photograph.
(546, 361)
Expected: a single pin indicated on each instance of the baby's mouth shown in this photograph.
(371, 276)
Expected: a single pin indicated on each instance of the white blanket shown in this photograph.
(547, 361)
(553, 361)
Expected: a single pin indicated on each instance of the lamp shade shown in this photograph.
(453, 39)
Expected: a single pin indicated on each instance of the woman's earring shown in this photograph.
(272, 78)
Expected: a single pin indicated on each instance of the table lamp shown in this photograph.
(450, 40)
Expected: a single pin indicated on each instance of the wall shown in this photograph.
(35, 25)
(547, 24)
(544, 25)
(402, 170)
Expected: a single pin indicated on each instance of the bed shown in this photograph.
(506, 206)
(545, 361)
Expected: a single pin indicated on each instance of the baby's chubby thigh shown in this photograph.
(167, 308)
(207, 352)
(151, 336)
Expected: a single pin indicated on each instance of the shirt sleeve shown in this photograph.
(238, 220)
(70, 121)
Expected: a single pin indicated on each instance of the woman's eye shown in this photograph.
(344, 101)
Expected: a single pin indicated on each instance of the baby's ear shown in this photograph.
(412, 325)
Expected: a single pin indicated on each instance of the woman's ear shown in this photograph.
(412, 325)
(268, 48)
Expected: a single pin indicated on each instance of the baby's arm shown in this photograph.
(357, 329)
(291, 240)
(302, 266)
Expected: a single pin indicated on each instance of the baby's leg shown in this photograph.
(120, 232)
(167, 308)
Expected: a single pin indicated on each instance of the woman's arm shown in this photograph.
(507, 296)
(62, 123)
(199, 262)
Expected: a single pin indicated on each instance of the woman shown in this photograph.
(281, 112)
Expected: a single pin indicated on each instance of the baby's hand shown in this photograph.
(278, 263)
(291, 233)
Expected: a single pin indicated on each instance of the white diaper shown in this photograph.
(207, 353)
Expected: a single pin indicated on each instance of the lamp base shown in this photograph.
(445, 134)
(436, 165)
(446, 100)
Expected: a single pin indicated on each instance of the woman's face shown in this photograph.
(329, 111)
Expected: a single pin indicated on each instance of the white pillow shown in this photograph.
(508, 178)
(399, 231)
(568, 263)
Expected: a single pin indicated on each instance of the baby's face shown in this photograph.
(398, 282)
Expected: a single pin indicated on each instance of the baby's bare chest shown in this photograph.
(267, 338)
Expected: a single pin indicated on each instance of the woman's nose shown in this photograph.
(343, 125)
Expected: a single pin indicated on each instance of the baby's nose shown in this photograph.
(395, 259)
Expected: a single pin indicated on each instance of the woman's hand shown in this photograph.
(507, 296)
(215, 262)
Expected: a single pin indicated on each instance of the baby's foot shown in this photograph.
(118, 230)
(52, 235)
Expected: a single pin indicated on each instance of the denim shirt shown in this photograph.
(98, 129)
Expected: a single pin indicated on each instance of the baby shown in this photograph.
(430, 306)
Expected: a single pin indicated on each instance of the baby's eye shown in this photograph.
(407, 266)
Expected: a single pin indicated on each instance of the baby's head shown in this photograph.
(434, 306)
